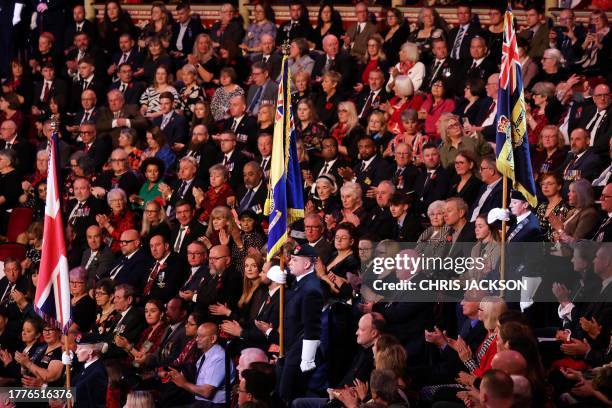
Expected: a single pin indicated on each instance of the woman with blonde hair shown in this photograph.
(222, 230)
(154, 222)
(347, 130)
(454, 140)
(391, 355)
(139, 399)
(372, 60)
(377, 130)
(205, 61)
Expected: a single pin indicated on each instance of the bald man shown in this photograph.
(97, 258)
(496, 390)
(335, 58)
(510, 362)
(133, 264)
(10, 139)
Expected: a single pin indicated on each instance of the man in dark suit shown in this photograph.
(184, 32)
(243, 125)
(535, 32)
(91, 381)
(129, 324)
(222, 285)
(228, 28)
(253, 193)
(490, 195)
(203, 150)
(197, 257)
(167, 274)
(298, 26)
(132, 266)
(88, 113)
(12, 276)
(130, 88)
(264, 157)
(461, 235)
(582, 161)
(182, 189)
(335, 59)
(372, 96)
(119, 115)
(314, 229)
(9, 139)
(97, 258)
(404, 171)
(302, 324)
(380, 223)
(233, 159)
(79, 24)
(597, 120)
(569, 36)
(370, 170)
(442, 67)
(604, 230)
(263, 90)
(186, 228)
(83, 47)
(128, 54)
(87, 79)
(81, 212)
(172, 124)
(331, 162)
(479, 65)
(97, 148)
(269, 56)
(431, 185)
(48, 87)
(357, 35)
(407, 227)
(459, 37)
(524, 225)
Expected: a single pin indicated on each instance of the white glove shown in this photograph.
(33, 24)
(67, 358)
(17, 13)
(498, 214)
(309, 351)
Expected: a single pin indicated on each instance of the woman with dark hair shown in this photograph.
(127, 141)
(20, 83)
(158, 147)
(263, 23)
(251, 231)
(156, 57)
(554, 204)
(219, 104)
(231, 57)
(299, 57)
(438, 101)
(153, 170)
(550, 152)
(191, 93)
(395, 35)
(322, 198)
(202, 115)
(106, 318)
(329, 21)
(471, 103)
(494, 33)
(115, 23)
(149, 100)
(82, 306)
(429, 26)
(160, 25)
(487, 248)
(151, 337)
(46, 365)
(345, 261)
(546, 110)
(9, 110)
(10, 186)
(465, 184)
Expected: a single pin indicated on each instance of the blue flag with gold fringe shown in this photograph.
(512, 144)
(285, 202)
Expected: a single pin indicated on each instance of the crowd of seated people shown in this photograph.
(165, 139)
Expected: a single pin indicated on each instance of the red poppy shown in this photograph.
(328, 105)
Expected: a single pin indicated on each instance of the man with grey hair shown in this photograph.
(263, 90)
(119, 176)
(89, 111)
(379, 221)
(335, 59)
(253, 193)
(404, 170)
(182, 189)
(268, 55)
(490, 195)
(118, 115)
(250, 355)
(11, 140)
(228, 28)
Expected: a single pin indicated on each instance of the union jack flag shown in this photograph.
(512, 144)
(52, 300)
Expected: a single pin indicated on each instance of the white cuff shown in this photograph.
(17, 13)
(268, 332)
(114, 123)
(194, 298)
(309, 351)
(565, 312)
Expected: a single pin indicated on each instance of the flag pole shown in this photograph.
(502, 257)
(281, 310)
(66, 346)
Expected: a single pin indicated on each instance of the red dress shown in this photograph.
(120, 223)
(394, 124)
(213, 198)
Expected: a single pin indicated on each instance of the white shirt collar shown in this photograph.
(479, 61)
(605, 283)
(163, 260)
(238, 119)
(368, 162)
(90, 362)
(125, 312)
(522, 216)
(314, 244)
(299, 278)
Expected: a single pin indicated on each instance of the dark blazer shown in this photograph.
(133, 271)
(436, 188)
(472, 113)
(409, 231)
(98, 56)
(235, 164)
(362, 98)
(76, 89)
(25, 155)
(603, 233)
(380, 222)
(404, 181)
(188, 195)
(482, 71)
(494, 200)
(226, 289)
(91, 384)
(450, 70)
(176, 129)
(324, 250)
(194, 231)
(194, 28)
(601, 139)
(193, 282)
(589, 166)
(99, 265)
(464, 52)
(290, 31)
(58, 87)
(269, 94)
(171, 277)
(257, 201)
(464, 242)
(274, 62)
(246, 133)
(170, 347)
(80, 116)
(88, 27)
(528, 230)
(333, 170)
(343, 63)
(268, 313)
(85, 217)
(378, 170)
(104, 124)
(130, 327)
(135, 59)
(99, 151)
(469, 192)
(132, 93)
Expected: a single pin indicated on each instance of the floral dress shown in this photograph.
(190, 96)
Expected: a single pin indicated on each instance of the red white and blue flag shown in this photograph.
(52, 300)
(512, 144)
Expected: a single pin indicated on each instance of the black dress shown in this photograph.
(83, 313)
(392, 46)
(470, 190)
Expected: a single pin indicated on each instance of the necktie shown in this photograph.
(122, 88)
(8, 146)
(264, 163)
(473, 65)
(74, 215)
(79, 28)
(246, 200)
(594, 125)
(7, 294)
(84, 84)
(358, 31)
(165, 121)
(363, 166)
(168, 333)
(115, 271)
(91, 258)
(569, 166)
(254, 105)
(265, 58)
(179, 239)
(85, 117)
(235, 125)
(152, 277)
(328, 64)
(124, 58)
(599, 235)
(434, 72)
(80, 55)
(46, 91)
(367, 105)
(398, 172)
(457, 43)
(182, 189)
(225, 160)
(325, 169)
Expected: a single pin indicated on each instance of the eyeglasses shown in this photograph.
(195, 253)
(216, 258)
(117, 160)
(126, 241)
